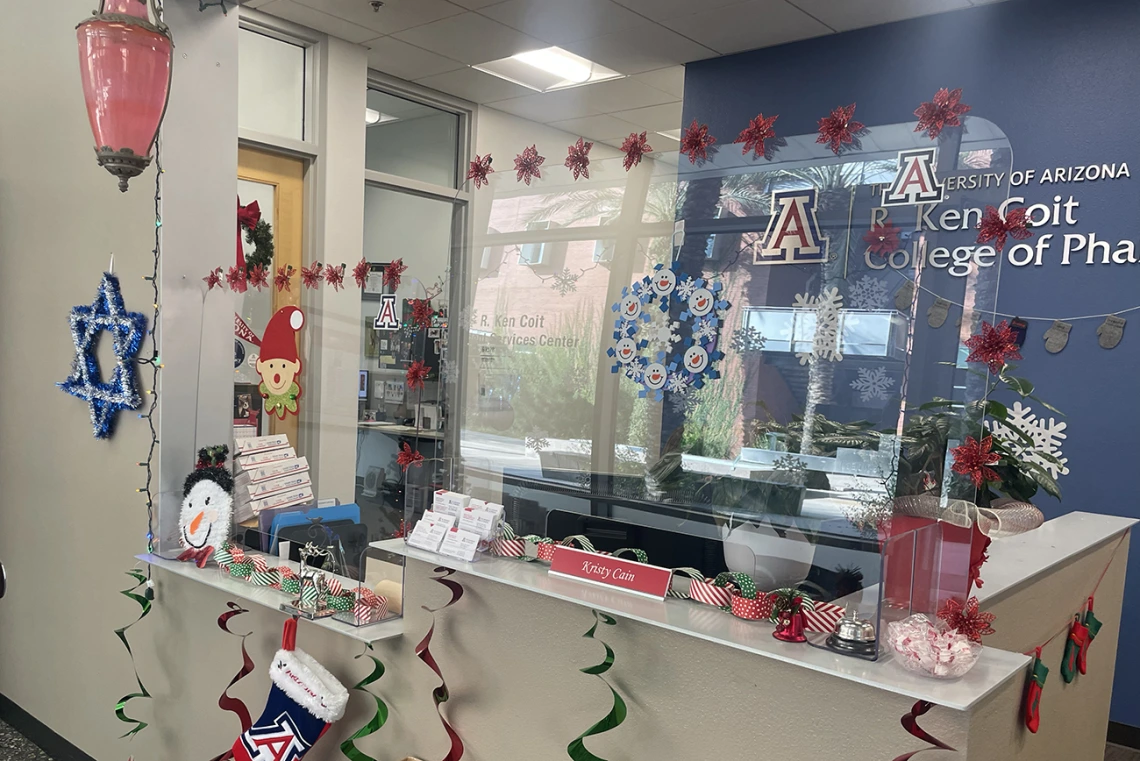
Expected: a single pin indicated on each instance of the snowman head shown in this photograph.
(205, 519)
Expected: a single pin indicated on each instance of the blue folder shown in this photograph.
(302, 516)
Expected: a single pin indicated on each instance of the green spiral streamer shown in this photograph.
(348, 747)
(144, 600)
(577, 749)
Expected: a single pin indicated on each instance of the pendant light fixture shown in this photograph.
(125, 61)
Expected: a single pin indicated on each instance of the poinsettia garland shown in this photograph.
(754, 136)
(840, 128)
(994, 346)
(634, 147)
(967, 619)
(994, 227)
(696, 142)
(416, 375)
(945, 110)
(408, 457)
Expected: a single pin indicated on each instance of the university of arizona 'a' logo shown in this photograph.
(386, 318)
(279, 741)
(915, 181)
(793, 235)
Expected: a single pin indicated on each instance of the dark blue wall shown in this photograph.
(1060, 78)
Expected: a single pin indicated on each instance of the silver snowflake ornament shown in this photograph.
(747, 340)
(686, 288)
(873, 383)
(565, 282)
(868, 292)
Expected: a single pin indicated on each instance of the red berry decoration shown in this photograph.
(421, 312)
(334, 276)
(407, 457)
(967, 619)
(753, 137)
(696, 142)
(360, 272)
(972, 458)
(993, 227)
(283, 278)
(993, 346)
(479, 169)
(634, 147)
(258, 277)
(840, 128)
(578, 159)
(393, 272)
(417, 374)
(882, 239)
(312, 275)
(213, 279)
(235, 278)
(527, 165)
(944, 111)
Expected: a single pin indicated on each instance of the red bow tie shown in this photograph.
(200, 557)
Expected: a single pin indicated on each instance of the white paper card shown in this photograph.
(479, 521)
(427, 535)
(460, 544)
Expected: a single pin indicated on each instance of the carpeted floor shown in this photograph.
(15, 747)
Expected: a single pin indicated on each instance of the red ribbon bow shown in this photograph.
(199, 556)
(247, 216)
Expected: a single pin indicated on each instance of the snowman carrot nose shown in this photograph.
(196, 522)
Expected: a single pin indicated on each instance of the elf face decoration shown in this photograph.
(207, 506)
(279, 364)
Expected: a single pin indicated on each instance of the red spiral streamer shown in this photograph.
(910, 724)
(225, 702)
(423, 651)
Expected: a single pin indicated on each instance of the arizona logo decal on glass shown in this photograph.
(386, 318)
(915, 182)
(793, 235)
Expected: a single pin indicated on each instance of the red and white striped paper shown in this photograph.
(709, 593)
(823, 618)
(508, 548)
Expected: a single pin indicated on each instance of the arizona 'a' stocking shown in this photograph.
(1093, 625)
(304, 700)
(1077, 642)
(1033, 693)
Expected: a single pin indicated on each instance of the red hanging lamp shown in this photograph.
(125, 61)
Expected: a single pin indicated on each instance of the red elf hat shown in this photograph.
(279, 340)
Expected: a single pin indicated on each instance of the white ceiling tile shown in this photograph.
(619, 94)
(254, 3)
(562, 21)
(663, 9)
(470, 38)
(547, 107)
(670, 80)
(842, 15)
(474, 85)
(314, 19)
(643, 48)
(750, 25)
(475, 5)
(400, 59)
(654, 118)
(393, 16)
(600, 128)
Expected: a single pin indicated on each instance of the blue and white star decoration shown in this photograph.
(682, 367)
(127, 329)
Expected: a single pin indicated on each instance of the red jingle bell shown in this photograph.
(790, 627)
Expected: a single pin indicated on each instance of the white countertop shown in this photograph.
(1014, 561)
(272, 598)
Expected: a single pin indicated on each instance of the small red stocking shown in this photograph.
(1077, 643)
(1093, 626)
(1033, 693)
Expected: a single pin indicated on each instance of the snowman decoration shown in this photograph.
(207, 506)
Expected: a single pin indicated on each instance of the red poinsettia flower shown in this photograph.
(944, 111)
(408, 457)
(417, 374)
(421, 312)
(258, 277)
(312, 275)
(882, 239)
(696, 141)
(967, 619)
(235, 277)
(978, 556)
(334, 276)
(213, 279)
(284, 278)
(993, 227)
(634, 147)
(993, 346)
(753, 137)
(839, 129)
(971, 459)
(527, 165)
(578, 159)
(393, 272)
(479, 169)
(360, 272)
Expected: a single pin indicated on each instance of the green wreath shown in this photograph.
(261, 237)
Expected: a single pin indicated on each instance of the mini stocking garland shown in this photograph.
(304, 700)
(1075, 645)
(1092, 624)
(1033, 693)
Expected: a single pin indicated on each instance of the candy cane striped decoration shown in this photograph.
(823, 617)
(333, 587)
(508, 548)
(709, 593)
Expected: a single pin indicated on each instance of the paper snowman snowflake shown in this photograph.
(206, 517)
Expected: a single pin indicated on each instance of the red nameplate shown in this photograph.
(613, 572)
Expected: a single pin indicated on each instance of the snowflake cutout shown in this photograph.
(684, 402)
(677, 384)
(827, 307)
(872, 383)
(537, 443)
(1047, 438)
(705, 330)
(686, 288)
(747, 341)
(661, 334)
(565, 282)
(468, 317)
(868, 292)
